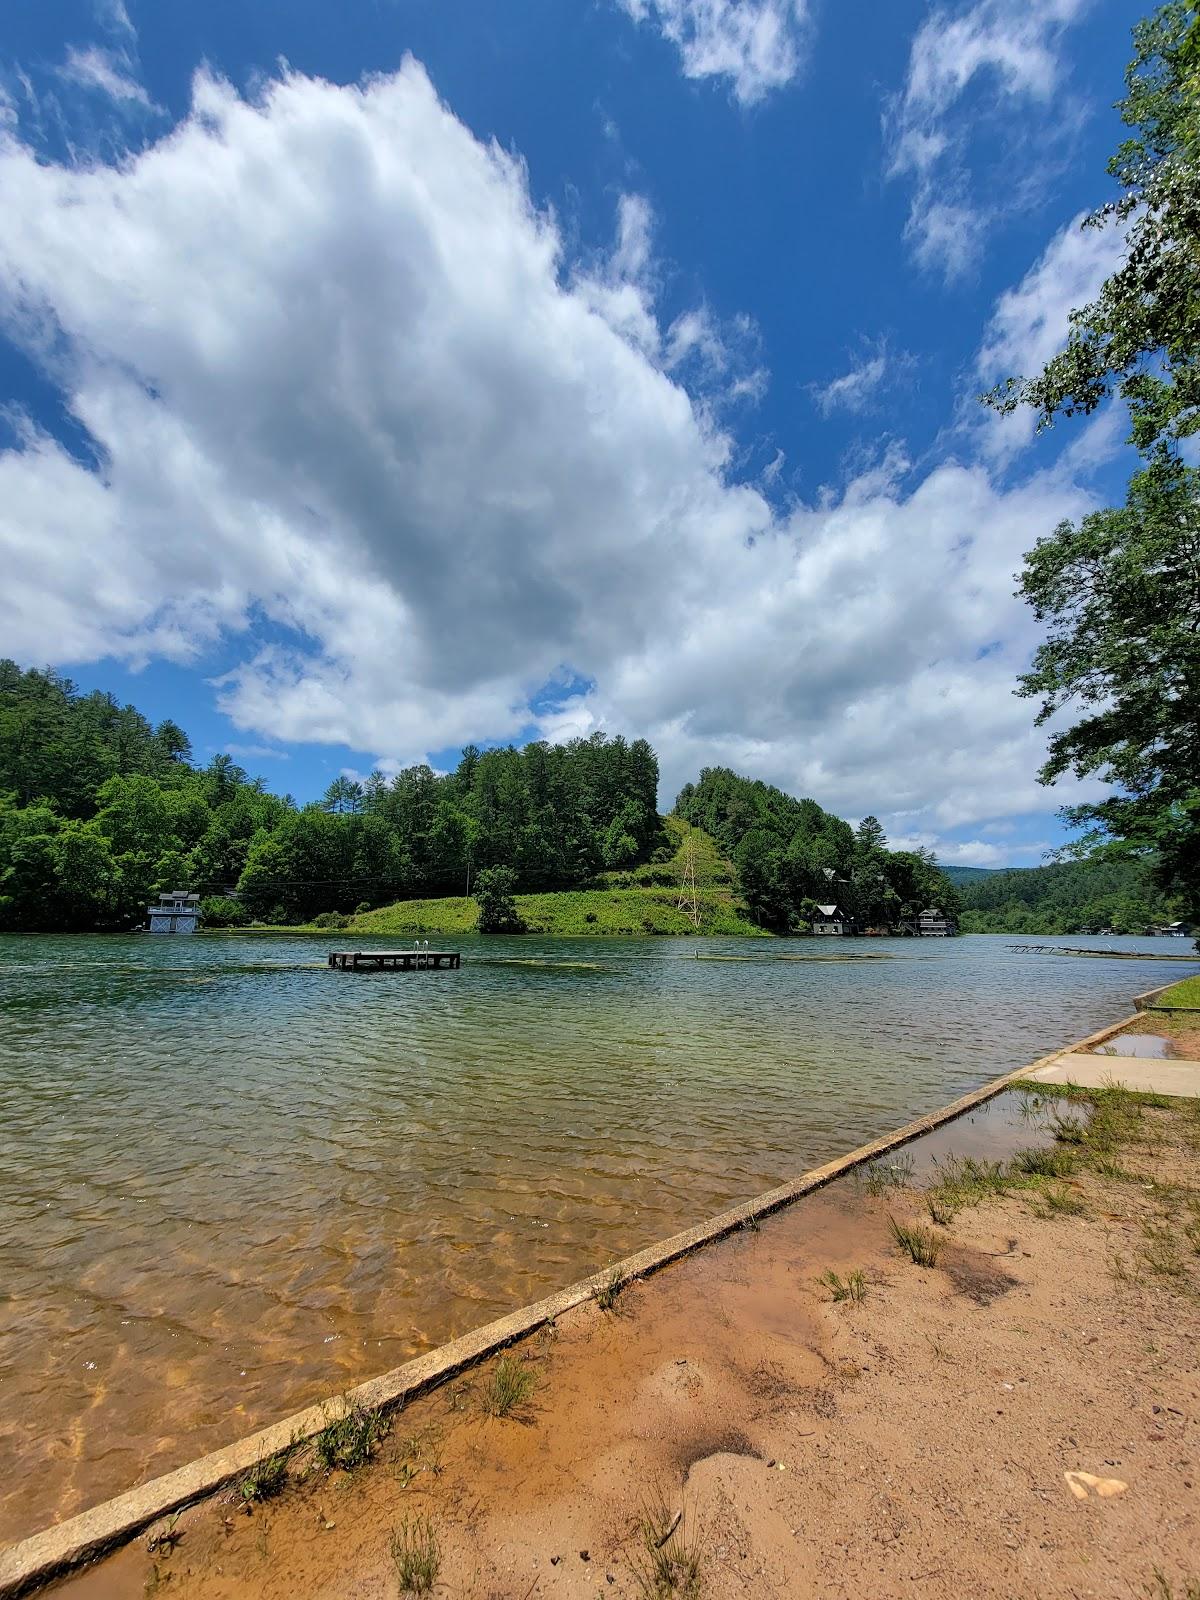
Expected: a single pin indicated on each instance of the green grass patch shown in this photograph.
(852, 1287)
(1184, 993)
(921, 1245)
(963, 1181)
(509, 1388)
(583, 912)
(349, 1441)
(1056, 1162)
(416, 1555)
(265, 1479)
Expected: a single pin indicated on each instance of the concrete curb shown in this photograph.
(57, 1550)
(1144, 1001)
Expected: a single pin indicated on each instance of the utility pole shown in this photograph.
(689, 900)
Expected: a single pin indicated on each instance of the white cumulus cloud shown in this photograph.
(352, 404)
(1030, 322)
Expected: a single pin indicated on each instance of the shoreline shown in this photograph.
(65, 1546)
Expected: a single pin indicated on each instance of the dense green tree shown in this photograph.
(1067, 897)
(1140, 337)
(792, 855)
(494, 890)
(343, 795)
(1120, 591)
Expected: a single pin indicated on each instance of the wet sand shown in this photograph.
(919, 1441)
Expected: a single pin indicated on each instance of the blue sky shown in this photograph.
(386, 376)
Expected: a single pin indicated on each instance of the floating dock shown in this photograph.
(393, 960)
(1104, 955)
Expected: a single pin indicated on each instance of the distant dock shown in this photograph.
(393, 960)
(1105, 955)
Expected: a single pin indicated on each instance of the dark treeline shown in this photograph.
(100, 810)
(792, 856)
(1067, 897)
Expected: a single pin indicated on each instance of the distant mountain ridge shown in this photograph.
(969, 874)
(1092, 895)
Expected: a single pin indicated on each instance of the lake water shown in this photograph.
(233, 1181)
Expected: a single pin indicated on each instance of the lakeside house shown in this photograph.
(177, 911)
(1170, 930)
(832, 920)
(934, 924)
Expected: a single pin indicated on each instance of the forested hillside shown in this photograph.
(792, 856)
(99, 810)
(1067, 897)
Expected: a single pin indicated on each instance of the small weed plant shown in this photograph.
(669, 1563)
(852, 1287)
(265, 1479)
(606, 1294)
(349, 1441)
(510, 1387)
(879, 1177)
(921, 1245)
(416, 1555)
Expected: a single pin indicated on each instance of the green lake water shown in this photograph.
(233, 1181)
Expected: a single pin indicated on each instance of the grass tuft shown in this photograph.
(852, 1287)
(265, 1479)
(964, 1181)
(919, 1244)
(1068, 1128)
(416, 1555)
(349, 1441)
(669, 1564)
(1056, 1162)
(1160, 1250)
(878, 1177)
(509, 1388)
(1058, 1201)
(1161, 1588)
(606, 1294)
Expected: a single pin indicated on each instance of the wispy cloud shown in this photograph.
(757, 44)
(858, 389)
(1006, 50)
(113, 16)
(110, 73)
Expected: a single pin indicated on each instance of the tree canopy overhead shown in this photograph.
(1140, 337)
(1119, 592)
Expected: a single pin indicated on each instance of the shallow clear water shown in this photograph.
(232, 1180)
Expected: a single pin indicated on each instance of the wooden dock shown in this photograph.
(393, 960)
(1104, 955)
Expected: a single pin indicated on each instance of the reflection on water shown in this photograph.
(1146, 1045)
(232, 1180)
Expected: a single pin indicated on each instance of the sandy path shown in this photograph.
(915, 1442)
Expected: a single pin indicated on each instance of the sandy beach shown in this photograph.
(1018, 1418)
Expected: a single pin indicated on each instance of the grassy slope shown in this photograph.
(627, 904)
(1185, 993)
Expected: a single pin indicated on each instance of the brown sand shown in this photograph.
(917, 1442)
